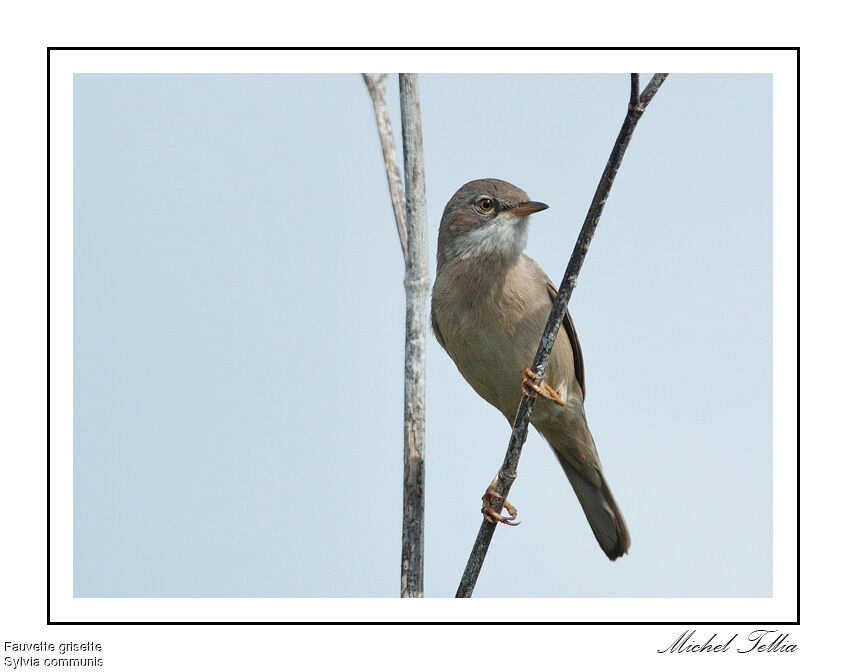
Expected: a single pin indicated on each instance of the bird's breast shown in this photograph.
(491, 329)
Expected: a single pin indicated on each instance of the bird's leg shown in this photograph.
(490, 514)
(530, 384)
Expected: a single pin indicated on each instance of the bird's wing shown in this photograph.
(570, 330)
(437, 330)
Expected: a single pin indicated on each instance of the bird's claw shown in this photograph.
(531, 385)
(491, 515)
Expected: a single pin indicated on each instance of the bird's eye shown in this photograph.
(484, 204)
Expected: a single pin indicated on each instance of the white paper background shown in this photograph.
(222, 648)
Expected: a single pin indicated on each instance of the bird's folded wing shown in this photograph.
(570, 330)
(437, 330)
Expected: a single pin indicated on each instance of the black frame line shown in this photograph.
(592, 623)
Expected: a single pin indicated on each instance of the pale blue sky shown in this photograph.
(238, 337)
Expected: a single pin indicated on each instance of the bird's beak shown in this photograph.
(528, 207)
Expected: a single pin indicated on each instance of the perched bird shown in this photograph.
(490, 303)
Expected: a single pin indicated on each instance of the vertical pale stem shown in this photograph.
(417, 287)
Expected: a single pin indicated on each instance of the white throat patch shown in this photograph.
(505, 235)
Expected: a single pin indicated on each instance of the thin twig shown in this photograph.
(376, 87)
(508, 471)
(651, 88)
(417, 289)
(634, 88)
(409, 206)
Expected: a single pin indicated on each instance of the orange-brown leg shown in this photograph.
(531, 385)
(490, 514)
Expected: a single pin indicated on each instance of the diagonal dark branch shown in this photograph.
(508, 472)
(376, 87)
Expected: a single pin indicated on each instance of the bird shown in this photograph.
(490, 304)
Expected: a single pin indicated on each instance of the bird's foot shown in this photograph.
(531, 385)
(490, 514)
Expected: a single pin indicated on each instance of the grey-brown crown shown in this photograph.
(507, 195)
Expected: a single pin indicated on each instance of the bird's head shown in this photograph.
(485, 218)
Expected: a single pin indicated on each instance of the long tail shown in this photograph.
(601, 509)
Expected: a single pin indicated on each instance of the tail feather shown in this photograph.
(601, 509)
